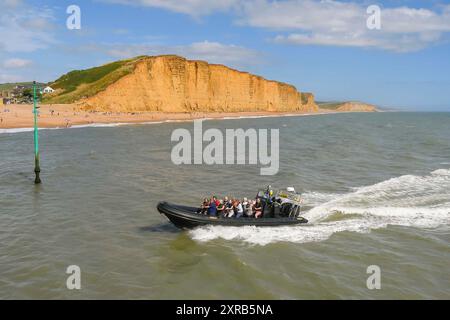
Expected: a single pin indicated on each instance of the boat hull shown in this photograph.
(185, 217)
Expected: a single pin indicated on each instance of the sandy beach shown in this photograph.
(67, 115)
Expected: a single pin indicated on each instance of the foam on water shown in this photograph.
(81, 126)
(313, 198)
(16, 130)
(117, 124)
(92, 125)
(413, 201)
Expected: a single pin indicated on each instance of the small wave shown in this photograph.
(92, 125)
(408, 192)
(313, 198)
(302, 234)
(271, 116)
(412, 201)
(81, 126)
(98, 125)
(15, 130)
(117, 124)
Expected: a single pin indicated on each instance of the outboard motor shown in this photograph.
(267, 210)
(276, 209)
(285, 209)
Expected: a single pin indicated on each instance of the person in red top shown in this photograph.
(217, 201)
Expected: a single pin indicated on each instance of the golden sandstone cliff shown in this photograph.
(174, 84)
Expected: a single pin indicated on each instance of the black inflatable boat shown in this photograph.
(187, 217)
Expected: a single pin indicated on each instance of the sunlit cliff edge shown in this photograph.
(174, 84)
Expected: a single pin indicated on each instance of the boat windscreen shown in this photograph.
(282, 194)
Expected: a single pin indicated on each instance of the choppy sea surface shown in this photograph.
(376, 189)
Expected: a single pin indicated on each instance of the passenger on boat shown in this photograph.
(249, 208)
(212, 209)
(216, 201)
(226, 201)
(204, 207)
(229, 210)
(268, 194)
(220, 209)
(239, 209)
(258, 208)
(232, 211)
(244, 205)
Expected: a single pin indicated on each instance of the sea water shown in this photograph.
(376, 191)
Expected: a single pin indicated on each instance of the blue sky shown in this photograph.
(322, 47)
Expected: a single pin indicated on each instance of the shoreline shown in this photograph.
(119, 124)
(19, 118)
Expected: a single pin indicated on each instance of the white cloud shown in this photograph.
(213, 52)
(24, 28)
(336, 23)
(405, 43)
(306, 14)
(6, 78)
(190, 7)
(324, 22)
(16, 63)
(12, 3)
(121, 31)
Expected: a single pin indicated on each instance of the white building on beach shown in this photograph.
(48, 90)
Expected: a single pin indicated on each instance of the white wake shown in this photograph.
(413, 201)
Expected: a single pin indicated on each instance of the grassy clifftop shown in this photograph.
(347, 106)
(79, 84)
(329, 105)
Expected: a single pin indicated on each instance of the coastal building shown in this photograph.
(48, 90)
(17, 91)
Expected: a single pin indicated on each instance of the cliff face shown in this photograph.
(174, 84)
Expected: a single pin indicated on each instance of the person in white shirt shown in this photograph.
(239, 209)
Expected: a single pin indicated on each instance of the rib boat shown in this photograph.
(287, 213)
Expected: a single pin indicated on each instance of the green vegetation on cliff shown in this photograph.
(347, 106)
(330, 105)
(79, 84)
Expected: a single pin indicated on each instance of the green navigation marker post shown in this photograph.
(37, 168)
